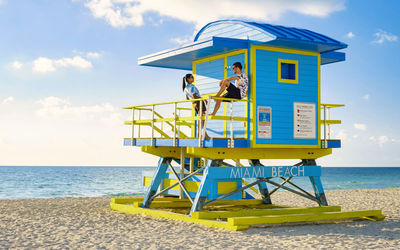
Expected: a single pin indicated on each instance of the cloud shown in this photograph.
(372, 138)
(182, 40)
(16, 65)
(366, 97)
(360, 126)
(93, 55)
(350, 35)
(123, 13)
(45, 65)
(55, 108)
(381, 36)
(7, 100)
(382, 140)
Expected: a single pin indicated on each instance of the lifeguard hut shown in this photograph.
(281, 118)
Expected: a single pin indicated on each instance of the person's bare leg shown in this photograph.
(216, 107)
(202, 127)
(224, 85)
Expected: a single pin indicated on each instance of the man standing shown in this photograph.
(236, 92)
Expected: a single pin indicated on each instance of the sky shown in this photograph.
(67, 68)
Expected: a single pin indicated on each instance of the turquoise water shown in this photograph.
(48, 182)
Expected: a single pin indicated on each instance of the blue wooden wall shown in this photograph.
(281, 96)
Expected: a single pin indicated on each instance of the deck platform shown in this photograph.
(239, 215)
(207, 143)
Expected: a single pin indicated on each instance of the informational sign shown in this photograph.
(264, 122)
(304, 116)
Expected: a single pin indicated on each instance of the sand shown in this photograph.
(90, 223)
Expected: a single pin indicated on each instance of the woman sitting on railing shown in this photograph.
(192, 92)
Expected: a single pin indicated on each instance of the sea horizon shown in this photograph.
(28, 182)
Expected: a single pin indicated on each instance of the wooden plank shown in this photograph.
(186, 203)
(273, 210)
(140, 199)
(272, 219)
(175, 216)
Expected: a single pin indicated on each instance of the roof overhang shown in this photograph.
(332, 57)
(182, 57)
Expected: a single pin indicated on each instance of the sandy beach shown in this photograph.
(90, 223)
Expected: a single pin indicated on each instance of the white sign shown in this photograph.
(264, 122)
(304, 120)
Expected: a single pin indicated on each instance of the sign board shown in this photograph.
(264, 122)
(304, 120)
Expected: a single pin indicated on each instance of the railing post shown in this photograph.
(329, 126)
(133, 127)
(140, 117)
(182, 174)
(325, 142)
(152, 126)
(231, 137)
(174, 143)
(200, 132)
(206, 118)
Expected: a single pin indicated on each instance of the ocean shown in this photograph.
(23, 182)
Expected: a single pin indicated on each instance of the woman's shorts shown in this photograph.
(233, 92)
(197, 106)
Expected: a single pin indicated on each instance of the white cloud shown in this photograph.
(372, 138)
(122, 13)
(360, 126)
(350, 35)
(182, 40)
(366, 97)
(93, 55)
(44, 64)
(8, 99)
(355, 136)
(382, 140)
(16, 65)
(381, 36)
(56, 108)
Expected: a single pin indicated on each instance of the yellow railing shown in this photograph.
(326, 121)
(176, 120)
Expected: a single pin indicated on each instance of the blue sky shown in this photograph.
(68, 66)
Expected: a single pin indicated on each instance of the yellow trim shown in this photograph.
(258, 153)
(193, 129)
(272, 219)
(219, 56)
(331, 122)
(319, 100)
(225, 104)
(175, 216)
(331, 105)
(277, 210)
(296, 70)
(292, 51)
(253, 113)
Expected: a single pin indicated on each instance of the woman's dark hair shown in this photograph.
(238, 64)
(184, 80)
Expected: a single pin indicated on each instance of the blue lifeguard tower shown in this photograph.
(281, 118)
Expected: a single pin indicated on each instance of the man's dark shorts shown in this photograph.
(233, 92)
(197, 107)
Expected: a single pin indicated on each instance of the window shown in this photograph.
(288, 71)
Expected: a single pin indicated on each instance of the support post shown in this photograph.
(158, 177)
(182, 172)
(262, 186)
(133, 127)
(202, 192)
